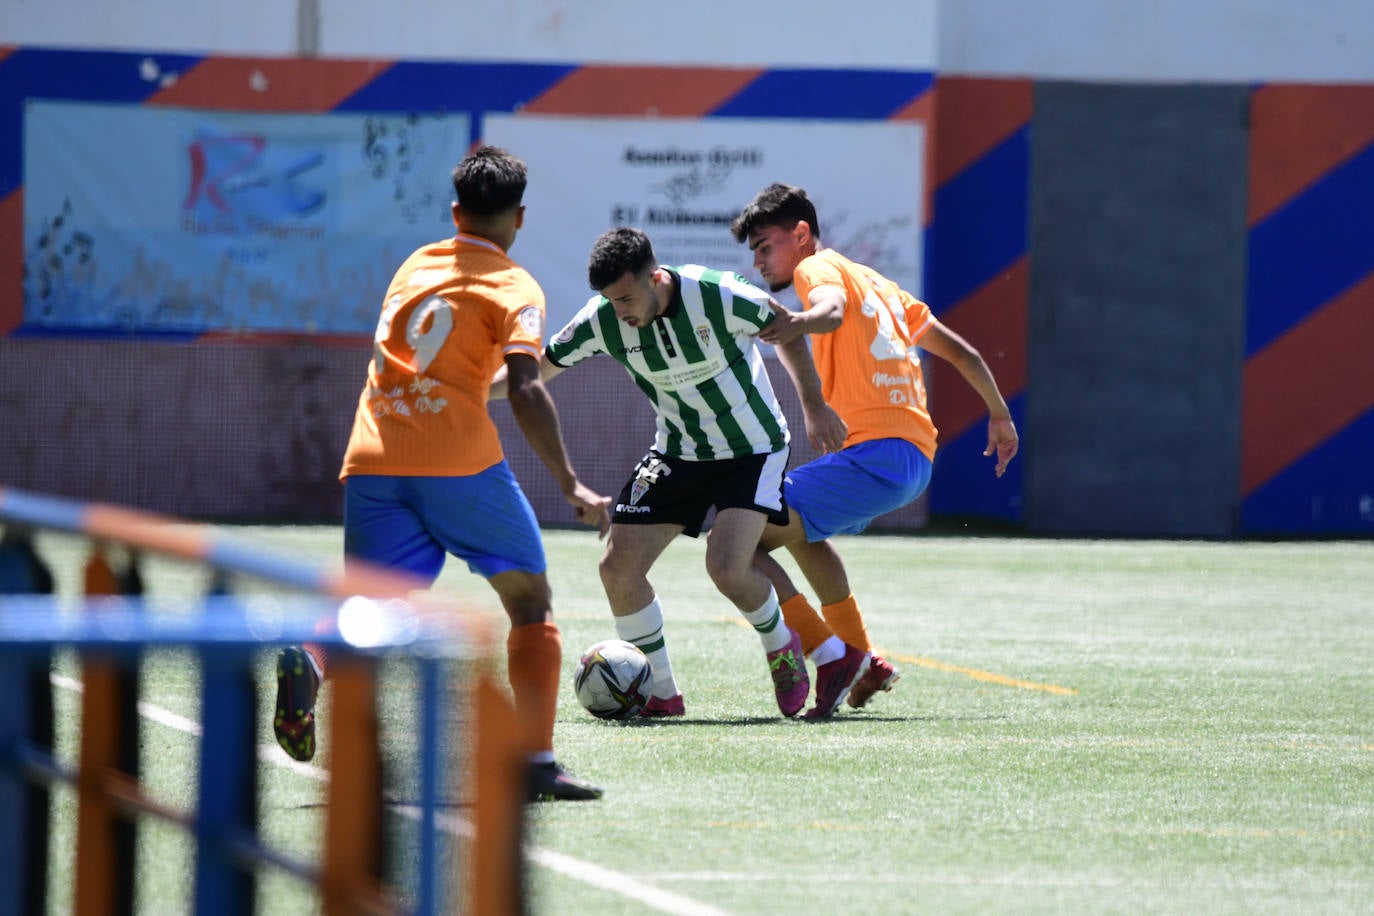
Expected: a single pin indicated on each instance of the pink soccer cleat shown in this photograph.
(662, 709)
(879, 676)
(835, 679)
(790, 681)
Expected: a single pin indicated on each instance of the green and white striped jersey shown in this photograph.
(698, 362)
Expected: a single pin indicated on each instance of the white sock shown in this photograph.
(644, 628)
(767, 622)
(829, 651)
(541, 757)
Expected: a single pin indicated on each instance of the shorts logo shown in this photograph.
(646, 475)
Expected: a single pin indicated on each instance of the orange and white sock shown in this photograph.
(844, 618)
(815, 633)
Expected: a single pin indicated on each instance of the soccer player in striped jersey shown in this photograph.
(424, 473)
(687, 337)
(867, 333)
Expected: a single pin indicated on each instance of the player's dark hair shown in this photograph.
(489, 181)
(779, 204)
(618, 250)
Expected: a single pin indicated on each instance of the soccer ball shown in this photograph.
(612, 679)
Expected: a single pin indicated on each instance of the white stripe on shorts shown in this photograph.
(769, 492)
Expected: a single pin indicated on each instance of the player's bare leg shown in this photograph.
(820, 563)
(824, 570)
(843, 659)
(631, 551)
(730, 557)
(534, 656)
(839, 666)
(730, 563)
(777, 575)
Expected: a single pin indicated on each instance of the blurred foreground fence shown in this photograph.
(227, 633)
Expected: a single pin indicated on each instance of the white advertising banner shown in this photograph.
(683, 181)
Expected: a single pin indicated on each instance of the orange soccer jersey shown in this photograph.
(452, 312)
(869, 367)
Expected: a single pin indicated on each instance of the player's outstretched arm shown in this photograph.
(500, 381)
(824, 428)
(538, 418)
(824, 313)
(949, 346)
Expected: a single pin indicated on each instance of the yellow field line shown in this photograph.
(978, 674)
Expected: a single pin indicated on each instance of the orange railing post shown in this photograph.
(351, 876)
(105, 840)
(495, 879)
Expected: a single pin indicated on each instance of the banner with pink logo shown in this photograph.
(153, 219)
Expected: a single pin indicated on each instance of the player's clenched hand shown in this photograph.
(825, 429)
(1003, 442)
(786, 325)
(591, 508)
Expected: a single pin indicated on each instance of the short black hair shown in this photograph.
(489, 181)
(619, 250)
(778, 204)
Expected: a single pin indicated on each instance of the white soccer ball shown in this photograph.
(612, 679)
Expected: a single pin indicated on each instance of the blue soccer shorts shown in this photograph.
(411, 523)
(841, 492)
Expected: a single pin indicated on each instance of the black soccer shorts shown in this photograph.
(673, 491)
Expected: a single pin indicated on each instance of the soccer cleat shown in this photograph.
(658, 708)
(790, 681)
(551, 782)
(835, 679)
(879, 676)
(297, 685)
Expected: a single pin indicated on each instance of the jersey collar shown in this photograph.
(674, 300)
(478, 240)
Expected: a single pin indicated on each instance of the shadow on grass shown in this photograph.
(865, 718)
(674, 721)
(840, 720)
(390, 804)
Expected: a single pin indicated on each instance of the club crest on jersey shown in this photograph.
(532, 320)
(704, 334)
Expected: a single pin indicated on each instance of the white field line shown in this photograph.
(577, 869)
(1071, 882)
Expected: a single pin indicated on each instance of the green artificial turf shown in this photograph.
(1081, 726)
